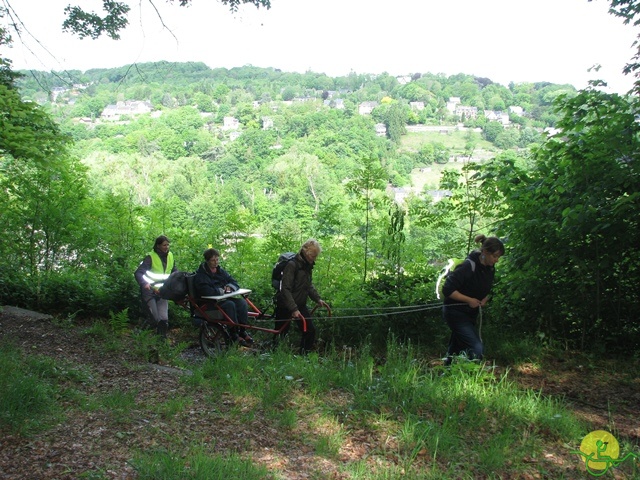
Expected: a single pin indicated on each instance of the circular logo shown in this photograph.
(600, 448)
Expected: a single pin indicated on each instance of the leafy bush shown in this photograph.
(82, 292)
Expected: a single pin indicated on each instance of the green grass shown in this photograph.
(456, 141)
(419, 421)
(117, 404)
(196, 465)
(463, 412)
(28, 391)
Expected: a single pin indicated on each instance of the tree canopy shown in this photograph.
(629, 11)
(114, 19)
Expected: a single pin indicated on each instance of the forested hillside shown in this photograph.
(394, 176)
(254, 161)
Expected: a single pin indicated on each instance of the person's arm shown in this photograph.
(315, 296)
(472, 302)
(144, 266)
(231, 285)
(285, 297)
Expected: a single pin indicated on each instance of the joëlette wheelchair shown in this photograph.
(217, 328)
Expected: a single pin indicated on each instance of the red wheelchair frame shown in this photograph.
(216, 326)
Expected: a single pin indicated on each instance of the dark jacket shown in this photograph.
(297, 285)
(209, 284)
(475, 283)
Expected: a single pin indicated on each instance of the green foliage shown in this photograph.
(81, 291)
(300, 170)
(572, 223)
(26, 131)
(92, 25)
(147, 345)
(394, 116)
(492, 130)
(119, 322)
(509, 138)
(47, 201)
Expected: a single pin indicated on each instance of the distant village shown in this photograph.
(125, 110)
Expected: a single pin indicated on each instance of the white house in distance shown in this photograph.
(466, 111)
(334, 103)
(230, 123)
(135, 107)
(267, 123)
(381, 129)
(500, 117)
(365, 108)
(453, 103)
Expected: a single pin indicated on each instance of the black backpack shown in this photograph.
(278, 269)
(452, 264)
(175, 287)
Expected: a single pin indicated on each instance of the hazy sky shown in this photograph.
(504, 40)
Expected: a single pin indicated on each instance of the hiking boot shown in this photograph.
(244, 336)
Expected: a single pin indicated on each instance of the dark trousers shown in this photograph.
(237, 310)
(309, 337)
(464, 334)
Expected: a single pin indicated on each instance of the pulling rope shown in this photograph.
(405, 310)
(390, 311)
(398, 311)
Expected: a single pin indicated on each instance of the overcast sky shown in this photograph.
(504, 40)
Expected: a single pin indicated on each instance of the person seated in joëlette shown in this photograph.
(212, 280)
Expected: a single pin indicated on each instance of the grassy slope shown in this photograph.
(456, 141)
(343, 415)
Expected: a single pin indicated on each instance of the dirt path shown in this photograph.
(93, 440)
